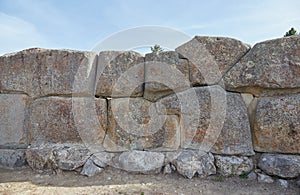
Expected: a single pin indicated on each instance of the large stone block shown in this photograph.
(270, 68)
(140, 161)
(285, 166)
(134, 124)
(211, 120)
(165, 73)
(211, 57)
(60, 120)
(12, 158)
(120, 74)
(233, 165)
(189, 162)
(276, 126)
(41, 72)
(13, 120)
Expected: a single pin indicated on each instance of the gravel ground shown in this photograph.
(113, 181)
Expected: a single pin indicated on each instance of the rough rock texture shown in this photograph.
(102, 159)
(283, 183)
(60, 120)
(71, 157)
(211, 120)
(140, 161)
(233, 165)
(285, 166)
(120, 74)
(270, 68)
(211, 57)
(40, 72)
(165, 73)
(41, 158)
(12, 158)
(277, 124)
(134, 124)
(13, 120)
(90, 169)
(167, 169)
(64, 157)
(262, 178)
(189, 162)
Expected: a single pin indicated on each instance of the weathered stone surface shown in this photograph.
(167, 169)
(57, 156)
(298, 183)
(233, 165)
(40, 72)
(277, 124)
(120, 74)
(12, 158)
(71, 157)
(262, 178)
(61, 120)
(140, 161)
(41, 158)
(283, 183)
(90, 169)
(270, 68)
(102, 159)
(134, 124)
(189, 162)
(211, 120)
(165, 73)
(285, 166)
(13, 120)
(252, 176)
(211, 57)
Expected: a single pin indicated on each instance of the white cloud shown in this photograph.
(17, 34)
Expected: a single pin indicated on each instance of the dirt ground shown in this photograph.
(113, 181)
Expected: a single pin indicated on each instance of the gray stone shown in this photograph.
(41, 72)
(13, 120)
(283, 183)
(102, 159)
(276, 126)
(165, 73)
(189, 162)
(90, 169)
(262, 178)
(211, 120)
(134, 124)
(57, 156)
(233, 165)
(120, 74)
(12, 158)
(252, 176)
(68, 120)
(167, 169)
(140, 161)
(71, 157)
(298, 183)
(285, 166)
(269, 68)
(41, 158)
(211, 57)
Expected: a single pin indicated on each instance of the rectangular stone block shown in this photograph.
(11, 159)
(211, 119)
(63, 120)
(41, 72)
(13, 120)
(277, 124)
(165, 73)
(120, 74)
(134, 125)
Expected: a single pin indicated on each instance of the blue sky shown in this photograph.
(81, 24)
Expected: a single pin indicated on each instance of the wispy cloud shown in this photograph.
(17, 34)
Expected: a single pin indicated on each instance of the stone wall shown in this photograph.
(212, 106)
